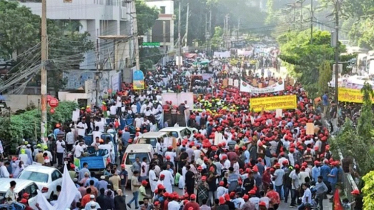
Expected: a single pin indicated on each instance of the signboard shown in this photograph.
(273, 103)
(350, 95)
(248, 88)
(138, 80)
(150, 44)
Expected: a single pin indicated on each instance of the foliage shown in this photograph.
(305, 57)
(217, 39)
(358, 142)
(365, 122)
(368, 190)
(148, 57)
(145, 16)
(27, 124)
(325, 76)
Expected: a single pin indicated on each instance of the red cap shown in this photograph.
(355, 192)
(203, 178)
(25, 195)
(123, 165)
(167, 157)
(144, 182)
(252, 192)
(222, 200)
(156, 203)
(221, 183)
(23, 200)
(227, 197)
(192, 196)
(245, 197)
(262, 203)
(162, 176)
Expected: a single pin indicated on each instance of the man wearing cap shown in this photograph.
(142, 192)
(278, 178)
(168, 180)
(92, 204)
(294, 175)
(358, 200)
(135, 189)
(333, 177)
(192, 203)
(124, 177)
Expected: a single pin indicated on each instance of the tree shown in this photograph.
(368, 190)
(365, 122)
(325, 76)
(145, 16)
(217, 39)
(22, 32)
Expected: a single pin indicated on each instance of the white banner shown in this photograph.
(245, 87)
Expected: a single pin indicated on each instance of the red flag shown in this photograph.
(337, 204)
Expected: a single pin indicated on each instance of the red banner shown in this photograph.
(337, 204)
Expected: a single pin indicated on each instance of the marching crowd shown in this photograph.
(260, 160)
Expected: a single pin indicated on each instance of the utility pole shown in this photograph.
(311, 20)
(97, 73)
(135, 35)
(44, 58)
(336, 50)
(210, 28)
(164, 35)
(179, 54)
(187, 20)
(237, 32)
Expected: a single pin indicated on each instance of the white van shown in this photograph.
(134, 151)
(151, 138)
(178, 132)
(22, 186)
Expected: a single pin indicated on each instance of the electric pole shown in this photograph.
(179, 53)
(135, 35)
(311, 20)
(237, 32)
(187, 20)
(336, 50)
(44, 58)
(164, 36)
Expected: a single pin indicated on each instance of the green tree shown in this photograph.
(368, 190)
(217, 38)
(325, 76)
(365, 122)
(145, 15)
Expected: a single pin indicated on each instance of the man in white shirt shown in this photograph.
(60, 150)
(294, 175)
(4, 171)
(96, 133)
(278, 178)
(138, 121)
(81, 128)
(221, 190)
(113, 110)
(70, 139)
(79, 149)
(307, 197)
(174, 205)
(144, 169)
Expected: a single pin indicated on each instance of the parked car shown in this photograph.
(151, 138)
(47, 178)
(179, 132)
(22, 186)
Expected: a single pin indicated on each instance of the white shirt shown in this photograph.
(255, 201)
(221, 191)
(101, 125)
(292, 160)
(134, 108)
(113, 110)
(138, 122)
(4, 172)
(307, 195)
(78, 151)
(295, 178)
(145, 165)
(96, 133)
(279, 173)
(59, 147)
(173, 205)
(82, 129)
(172, 155)
(70, 138)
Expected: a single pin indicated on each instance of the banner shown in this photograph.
(350, 95)
(247, 88)
(138, 80)
(273, 103)
(336, 201)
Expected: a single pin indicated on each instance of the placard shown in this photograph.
(309, 129)
(278, 113)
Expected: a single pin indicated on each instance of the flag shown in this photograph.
(68, 191)
(336, 202)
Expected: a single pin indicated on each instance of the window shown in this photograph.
(56, 175)
(31, 190)
(162, 9)
(34, 176)
(131, 157)
(174, 134)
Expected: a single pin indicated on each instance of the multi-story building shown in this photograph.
(107, 21)
(163, 29)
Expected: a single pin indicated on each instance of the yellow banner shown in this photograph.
(350, 95)
(273, 103)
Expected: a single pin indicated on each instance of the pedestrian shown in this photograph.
(135, 189)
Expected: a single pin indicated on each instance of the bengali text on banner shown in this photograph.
(273, 103)
(350, 95)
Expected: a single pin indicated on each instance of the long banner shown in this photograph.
(275, 87)
(350, 95)
(273, 103)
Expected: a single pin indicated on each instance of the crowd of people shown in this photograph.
(259, 161)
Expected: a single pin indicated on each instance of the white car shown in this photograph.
(22, 186)
(179, 132)
(47, 178)
(134, 151)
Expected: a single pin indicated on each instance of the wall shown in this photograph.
(169, 5)
(66, 96)
(17, 102)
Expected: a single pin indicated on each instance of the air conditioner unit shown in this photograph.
(124, 13)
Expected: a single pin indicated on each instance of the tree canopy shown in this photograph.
(145, 15)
